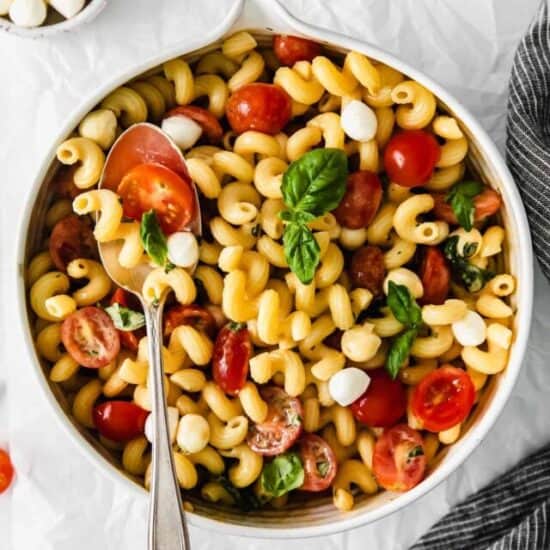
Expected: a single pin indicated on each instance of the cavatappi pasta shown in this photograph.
(296, 305)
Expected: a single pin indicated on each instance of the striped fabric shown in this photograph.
(511, 513)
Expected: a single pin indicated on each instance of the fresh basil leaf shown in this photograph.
(403, 305)
(399, 351)
(153, 239)
(302, 251)
(316, 182)
(296, 216)
(244, 499)
(283, 474)
(125, 319)
(460, 197)
(469, 249)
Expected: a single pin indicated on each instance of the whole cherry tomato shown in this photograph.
(487, 203)
(71, 238)
(119, 420)
(282, 426)
(398, 460)
(128, 338)
(361, 201)
(367, 269)
(90, 337)
(383, 403)
(443, 399)
(155, 187)
(290, 49)
(203, 117)
(196, 316)
(262, 107)
(230, 357)
(319, 463)
(410, 157)
(6, 471)
(435, 276)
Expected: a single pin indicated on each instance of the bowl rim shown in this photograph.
(235, 20)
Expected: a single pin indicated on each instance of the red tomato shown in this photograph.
(361, 201)
(204, 118)
(128, 338)
(319, 463)
(262, 107)
(192, 314)
(487, 203)
(383, 403)
(367, 269)
(6, 471)
(90, 336)
(410, 157)
(290, 49)
(435, 275)
(443, 399)
(282, 426)
(63, 182)
(230, 357)
(71, 238)
(155, 187)
(119, 420)
(398, 461)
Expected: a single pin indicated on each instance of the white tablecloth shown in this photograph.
(59, 501)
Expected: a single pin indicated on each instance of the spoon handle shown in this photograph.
(167, 527)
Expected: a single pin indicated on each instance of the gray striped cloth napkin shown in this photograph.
(513, 511)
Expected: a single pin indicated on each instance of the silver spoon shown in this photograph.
(143, 143)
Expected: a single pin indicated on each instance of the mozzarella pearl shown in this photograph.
(405, 277)
(183, 249)
(28, 13)
(184, 131)
(193, 433)
(359, 121)
(5, 6)
(173, 417)
(67, 8)
(471, 330)
(348, 385)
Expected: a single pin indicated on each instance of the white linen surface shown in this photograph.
(61, 502)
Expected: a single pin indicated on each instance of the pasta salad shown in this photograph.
(335, 324)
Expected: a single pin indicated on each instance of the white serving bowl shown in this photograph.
(88, 12)
(312, 517)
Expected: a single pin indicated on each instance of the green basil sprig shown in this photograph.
(283, 474)
(153, 240)
(474, 278)
(407, 312)
(461, 198)
(312, 186)
(124, 318)
(244, 499)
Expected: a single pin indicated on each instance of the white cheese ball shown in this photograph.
(359, 121)
(184, 131)
(173, 417)
(183, 249)
(5, 6)
(471, 330)
(348, 385)
(28, 13)
(193, 433)
(67, 8)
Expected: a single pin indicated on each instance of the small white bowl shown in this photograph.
(88, 12)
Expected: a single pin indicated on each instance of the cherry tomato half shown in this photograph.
(230, 357)
(487, 203)
(119, 420)
(367, 269)
(383, 403)
(435, 276)
(196, 316)
(443, 399)
(72, 237)
(155, 187)
(262, 107)
(319, 463)
(398, 461)
(361, 201)
(91, 338)
(203, 117)
(290, 49)
(282, 426)
(6, 471)
(129, 339)
(410, 157)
